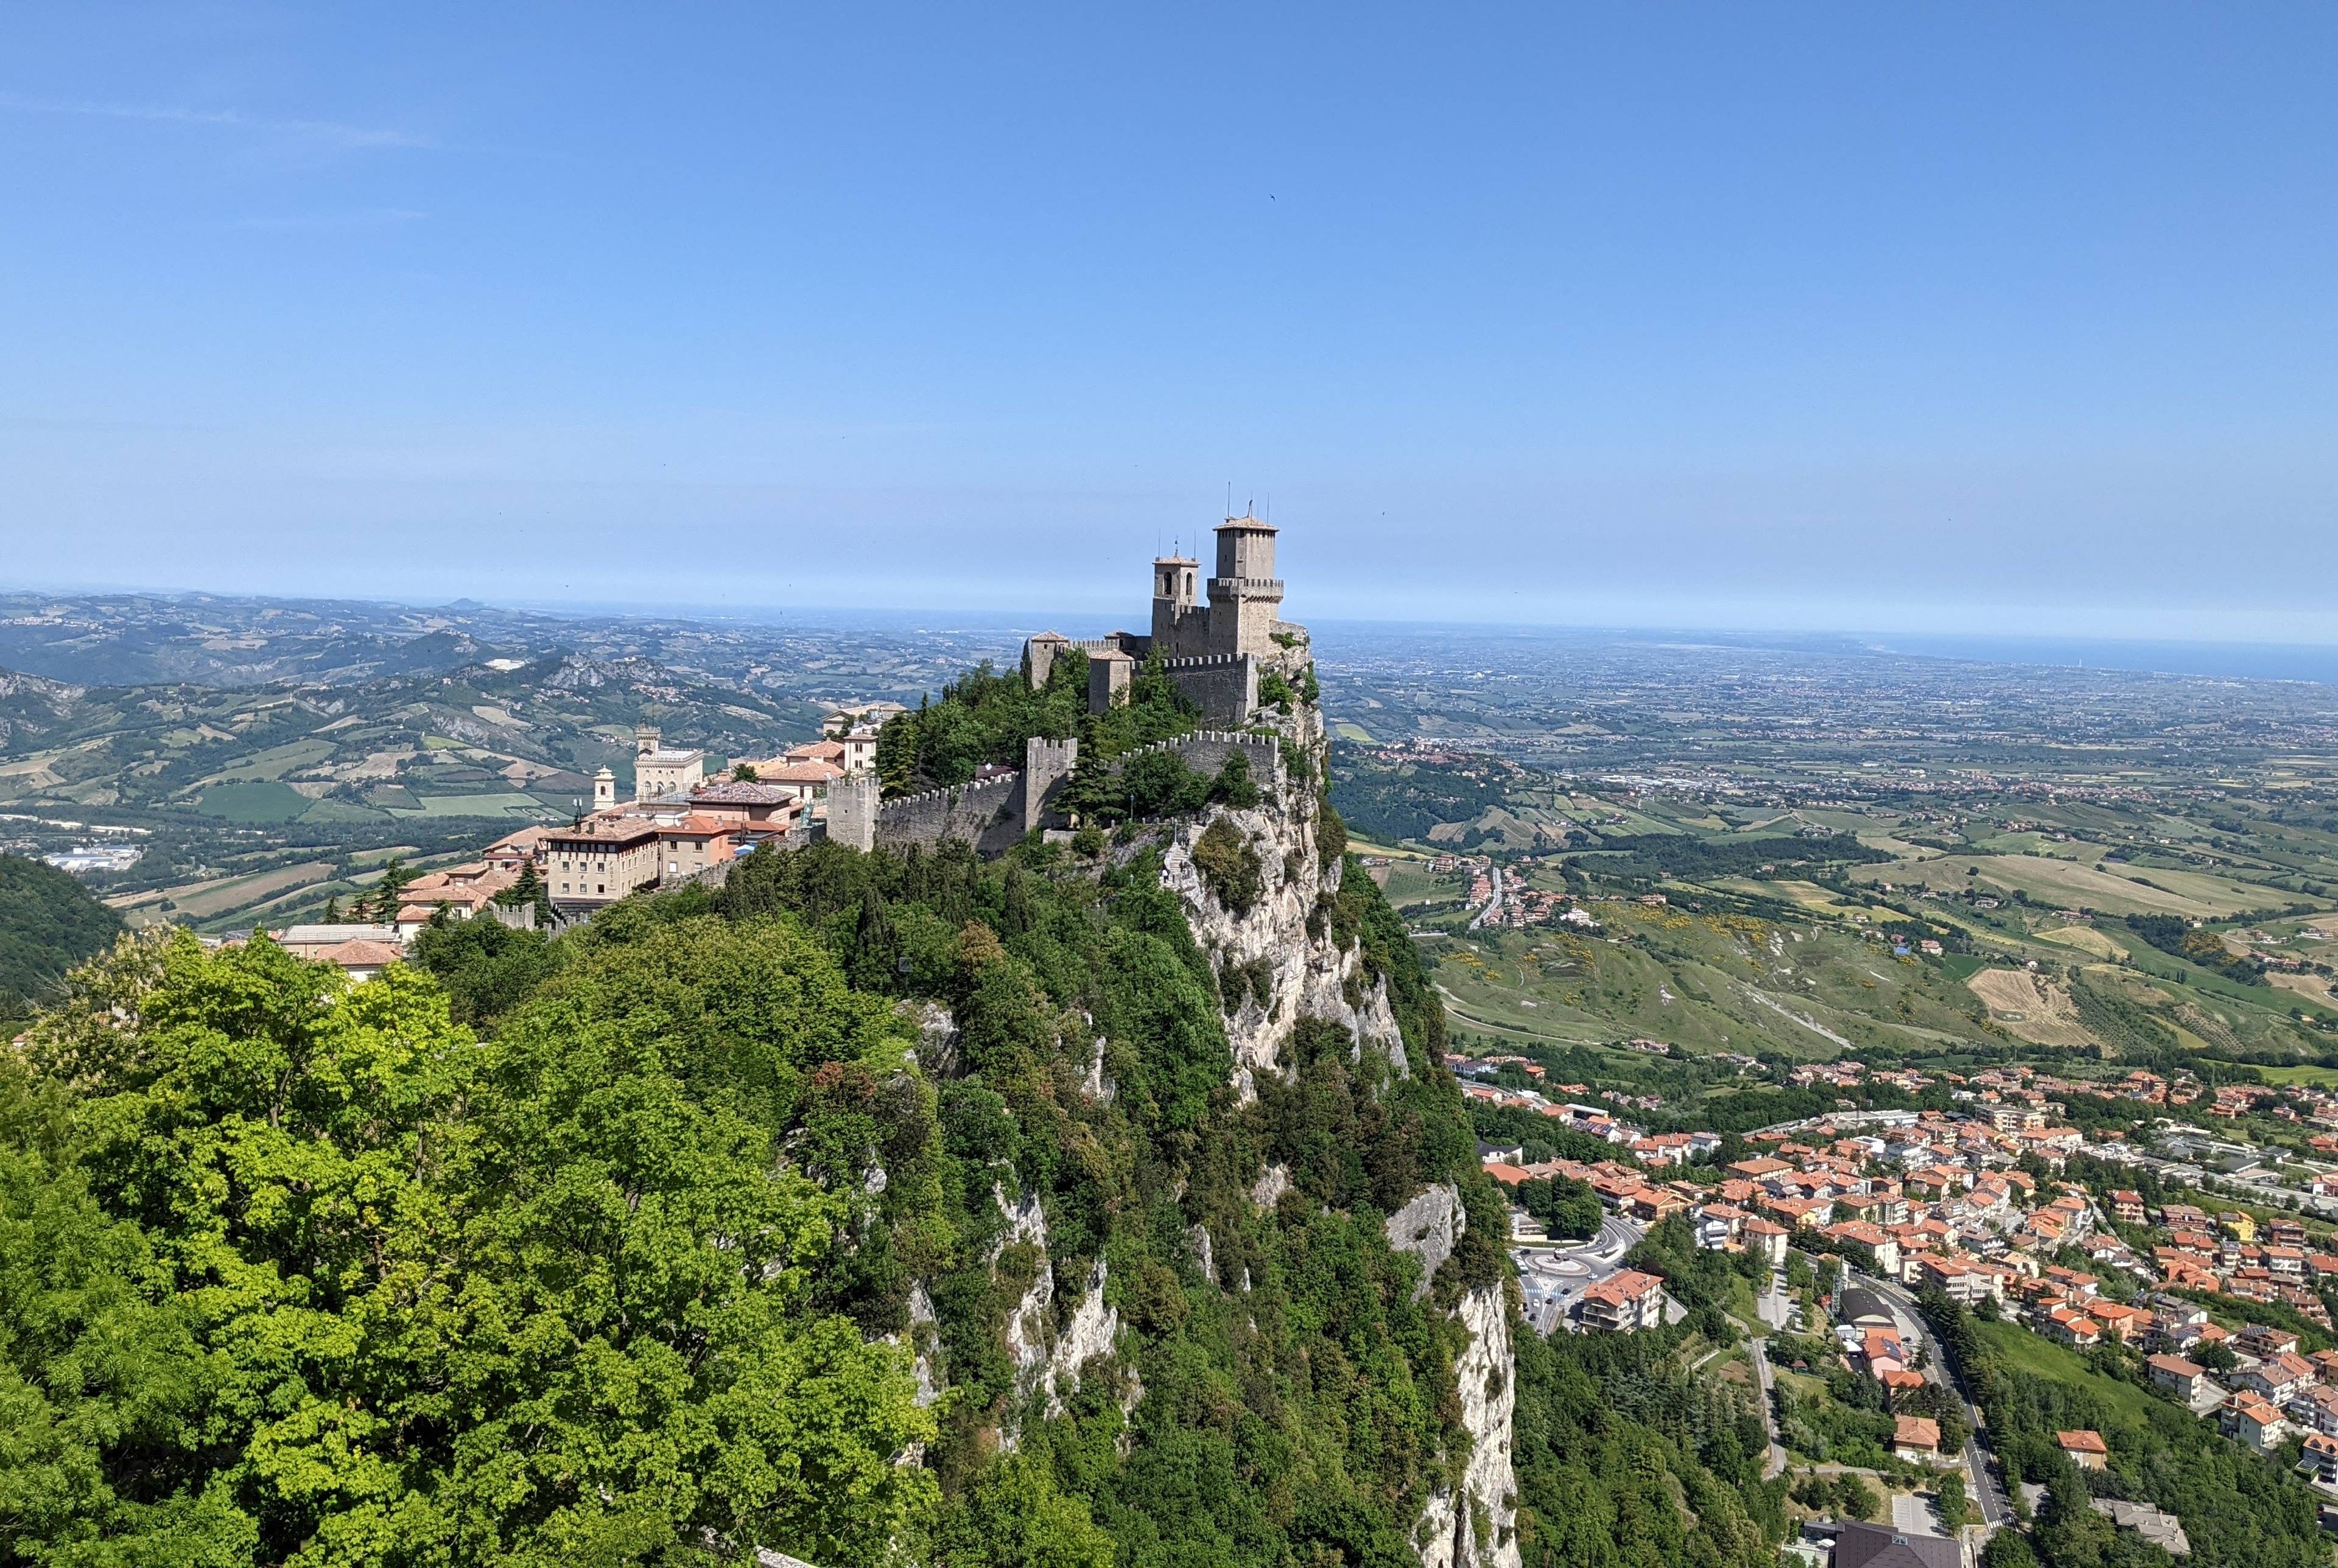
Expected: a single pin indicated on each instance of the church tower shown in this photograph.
(1245, 596)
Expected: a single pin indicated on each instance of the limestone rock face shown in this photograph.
(1479, 1527)
(1311, 975)
(1048, 1364)
(1429, 1226)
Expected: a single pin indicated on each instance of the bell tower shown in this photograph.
(1180, 628)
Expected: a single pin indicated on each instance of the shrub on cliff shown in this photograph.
(1230, 866)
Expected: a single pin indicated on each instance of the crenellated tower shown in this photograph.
(1245, 596)
(1181, 627)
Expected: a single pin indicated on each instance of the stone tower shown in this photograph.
(646, 739)
(1245, 596)
(604, 789)
(1181, 627)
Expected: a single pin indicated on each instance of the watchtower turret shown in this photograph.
(1245, 595)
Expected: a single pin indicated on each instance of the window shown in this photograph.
(600, 887)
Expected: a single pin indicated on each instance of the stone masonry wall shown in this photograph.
(987, 816)
(1223, 686)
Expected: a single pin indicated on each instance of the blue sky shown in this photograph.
(1971, 317)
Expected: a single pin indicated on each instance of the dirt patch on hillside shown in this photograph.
(2309, 985)
(2042, 1015)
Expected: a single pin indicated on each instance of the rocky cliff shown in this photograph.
(1283, 938)
(1286, 937)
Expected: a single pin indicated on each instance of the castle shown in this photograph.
(1213, 653)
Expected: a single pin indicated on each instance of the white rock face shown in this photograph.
(1097, 1085)
(1312, 975)
(1429, 1227)
(1047, 1365)
(1271, 1184)
(1091, 1333)
(1447, 1535)
(924, 1336)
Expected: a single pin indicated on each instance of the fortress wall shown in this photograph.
(1206, 750)
(1224, 686)
(987, 815)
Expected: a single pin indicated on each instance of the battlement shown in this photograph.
(998, 783)
(1204, 660)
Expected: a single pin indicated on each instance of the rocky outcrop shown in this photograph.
(1281, 936)
(1478, 1526)
(925, 1339)
(1048, 1366)
(1429, 1227)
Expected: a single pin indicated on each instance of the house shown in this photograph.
(2126, 1207)
(1879, 1242)
(1858, 1545)
(2261, 1341)
(461, 892)
(1625, 1301)
(1880, 1348)
(1719, 1226)
(2320, 1459)
(2122, 1323)
(513, 851)
(802, 780)
(2277, 1379)
(2085, 1448)
(2248, 1419)
(1916, 1439)
(2314, 1409)
(361, 961)
(600, 860)
(2068, 1327)
(314, 941)
(775, 805)
(2174, 1375)
(1767, 1239)
(2162, 1530)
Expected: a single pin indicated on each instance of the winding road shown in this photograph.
(1981, 1464)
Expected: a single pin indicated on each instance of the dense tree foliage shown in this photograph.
(626, 1245)
(292, 1268)
(48, 924)
(987, 716)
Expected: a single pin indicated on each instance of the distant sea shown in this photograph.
(2238, 660)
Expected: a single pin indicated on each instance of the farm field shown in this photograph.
(2066, 884)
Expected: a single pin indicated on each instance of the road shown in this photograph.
(1493, 905)
(1770, 1306)
(1552, 1277)
(1981, 1464)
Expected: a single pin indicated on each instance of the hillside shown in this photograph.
(48, 924)
(1126, 1192)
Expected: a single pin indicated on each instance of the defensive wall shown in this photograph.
(995, 814)
(1223, 686)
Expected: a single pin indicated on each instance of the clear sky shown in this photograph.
(2011, 318)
